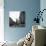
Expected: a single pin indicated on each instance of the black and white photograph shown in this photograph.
(17, 18)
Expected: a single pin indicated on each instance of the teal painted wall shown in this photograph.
(30, 7)
(43, 6)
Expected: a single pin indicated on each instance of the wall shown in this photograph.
(1, 21)
(30, 7)
(42, 6)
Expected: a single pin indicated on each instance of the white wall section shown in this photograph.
(1, 20)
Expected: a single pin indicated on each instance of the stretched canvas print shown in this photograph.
(17, 18)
